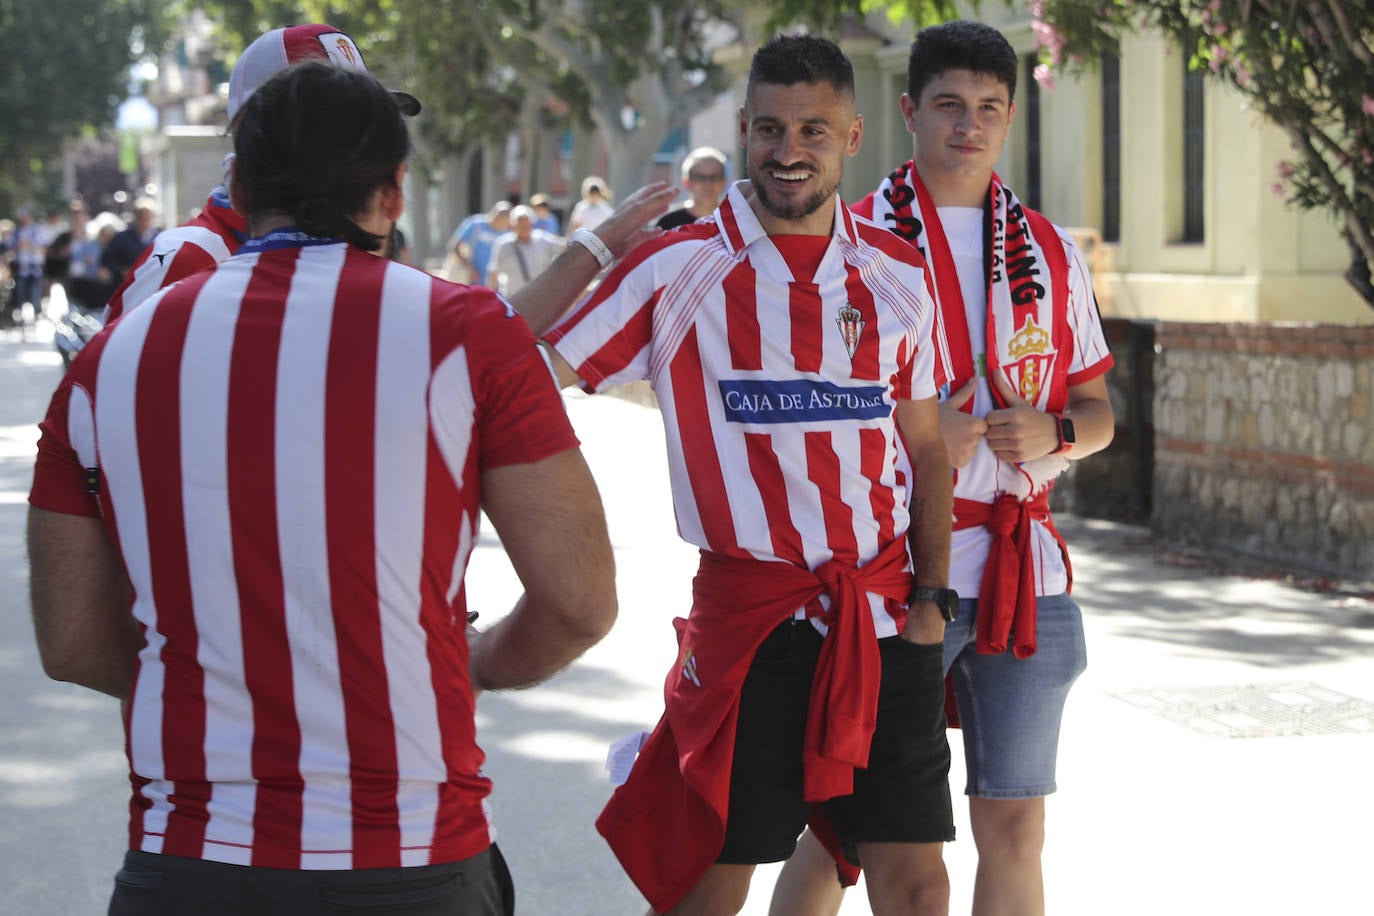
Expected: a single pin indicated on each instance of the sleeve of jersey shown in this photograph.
(518, 412)
(606, 338)
(59, 475)
(1091, 356)
(922, 375)
(151, 273)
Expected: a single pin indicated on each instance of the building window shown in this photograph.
(1111, 148)
(1031, 112)
(1193, 137)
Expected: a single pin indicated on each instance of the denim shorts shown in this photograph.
(1010, 708)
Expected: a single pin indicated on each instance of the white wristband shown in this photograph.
(592, 242)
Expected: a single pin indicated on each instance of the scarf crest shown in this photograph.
(1027, 334)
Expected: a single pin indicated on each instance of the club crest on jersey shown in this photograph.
(1032, 356)
(689, 666)
(851, 324)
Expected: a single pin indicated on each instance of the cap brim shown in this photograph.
(407, 103)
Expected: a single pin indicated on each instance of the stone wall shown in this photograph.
(1264, 442)
(1117, 482)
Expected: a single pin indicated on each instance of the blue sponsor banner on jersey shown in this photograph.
(800, 401)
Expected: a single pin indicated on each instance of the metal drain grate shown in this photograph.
(1257, 710)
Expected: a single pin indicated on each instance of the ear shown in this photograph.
(908, 106)
(235, 193)
(856, 136)
(393, 197)
(1011, 112)
(743, 129)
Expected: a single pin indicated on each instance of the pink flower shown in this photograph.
(1367, 156)
(1367, 104)
(1044, 76)
(1285, 169)
(1278, 189)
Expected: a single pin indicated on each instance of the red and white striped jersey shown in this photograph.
(289, 451)
(211, 236)
(777, 391)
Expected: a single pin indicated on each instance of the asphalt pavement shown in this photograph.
(1216, 755)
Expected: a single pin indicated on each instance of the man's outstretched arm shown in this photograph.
(545, 299)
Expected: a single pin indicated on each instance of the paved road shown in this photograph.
(1216, 758)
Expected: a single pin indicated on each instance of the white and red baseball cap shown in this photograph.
(274, 51)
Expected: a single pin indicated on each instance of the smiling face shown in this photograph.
(796, 138)
(959, 124)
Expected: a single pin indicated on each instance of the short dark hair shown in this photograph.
(315, 142)
(960, 45)
(789, 59)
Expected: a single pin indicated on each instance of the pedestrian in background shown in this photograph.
(125, 249)
(594, 206)
(523, 253)
(30, 252)
(544, 217)
(704, 176)
(472, 242)
(273, 580)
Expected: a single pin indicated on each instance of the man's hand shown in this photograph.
(962, 431)
(1019, 432)
(924, 624)
(632, 221)
(543, 300)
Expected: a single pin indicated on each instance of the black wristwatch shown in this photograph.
(946, 599)
(1063, 429)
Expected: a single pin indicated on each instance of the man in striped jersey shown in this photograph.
(253, 505)
(789, 344)
(1027, 392)
(218, 231)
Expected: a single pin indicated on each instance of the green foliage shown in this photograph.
(830, 16)
(1305, 64)
(63, 69)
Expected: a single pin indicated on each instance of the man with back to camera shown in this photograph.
(789, 346)
(272, 534)
(1027, 372)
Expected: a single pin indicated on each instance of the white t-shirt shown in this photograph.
(977, 480)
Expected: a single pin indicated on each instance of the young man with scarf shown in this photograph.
(789, 344)
(1026, 393)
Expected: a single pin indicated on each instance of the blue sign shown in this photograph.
(800, 401)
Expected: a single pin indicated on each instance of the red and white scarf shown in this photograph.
(1028, 335)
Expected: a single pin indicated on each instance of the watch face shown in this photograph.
(1066, 429)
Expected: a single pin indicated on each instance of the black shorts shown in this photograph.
(903, 795)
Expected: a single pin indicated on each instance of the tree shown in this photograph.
(64, 67)
(1305, 64)
(645, 68)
